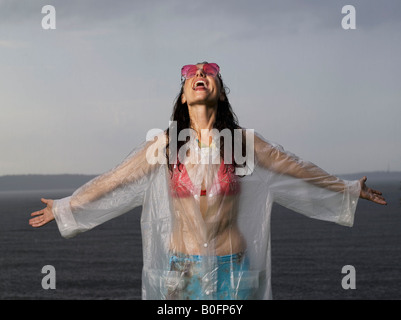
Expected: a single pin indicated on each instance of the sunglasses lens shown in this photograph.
(189, 71)
(211, 69)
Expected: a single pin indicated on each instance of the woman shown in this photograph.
(206, 209)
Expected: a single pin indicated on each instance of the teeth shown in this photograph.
(199, 81)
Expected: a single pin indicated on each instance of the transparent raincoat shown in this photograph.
(205, 226)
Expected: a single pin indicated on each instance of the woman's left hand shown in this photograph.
(370, 194)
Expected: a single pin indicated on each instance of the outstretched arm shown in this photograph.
(130, 170)
(284, 163)
(104, 197)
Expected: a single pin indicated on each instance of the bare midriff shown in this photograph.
(206, 226)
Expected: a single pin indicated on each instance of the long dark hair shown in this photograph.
(225, 119)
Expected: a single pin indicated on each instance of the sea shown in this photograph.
(308, 256)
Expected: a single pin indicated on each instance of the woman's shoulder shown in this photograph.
(260, 142)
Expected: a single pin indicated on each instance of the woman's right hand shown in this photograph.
(43, 216)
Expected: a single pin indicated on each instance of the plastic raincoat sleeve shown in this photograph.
(304, 187)
(106, 196)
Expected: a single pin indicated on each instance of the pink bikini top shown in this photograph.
(225, 183)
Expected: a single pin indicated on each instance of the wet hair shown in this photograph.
(225, 119)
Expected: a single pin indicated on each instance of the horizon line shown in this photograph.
(97, 174)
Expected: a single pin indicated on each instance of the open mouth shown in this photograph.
(200, 85)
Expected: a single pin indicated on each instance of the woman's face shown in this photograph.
(201, 89)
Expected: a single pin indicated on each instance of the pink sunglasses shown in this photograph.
(189, 71)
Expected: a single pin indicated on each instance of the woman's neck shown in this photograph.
(202, 117)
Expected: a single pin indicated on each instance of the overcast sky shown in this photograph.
(79, 98)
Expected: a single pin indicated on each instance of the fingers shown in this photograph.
(377, 198)
(373, 195)
(380, 201)
(37, 221)
(37, 213)
(43, 216)
(376, 192)
(40, 219)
